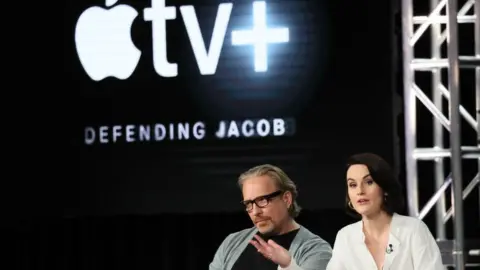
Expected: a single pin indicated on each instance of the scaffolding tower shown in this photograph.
(446, 14)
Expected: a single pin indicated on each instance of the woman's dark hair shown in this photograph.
(383, 175)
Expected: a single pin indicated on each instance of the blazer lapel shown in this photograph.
(393, 246)
(364, 255)
(360, 249)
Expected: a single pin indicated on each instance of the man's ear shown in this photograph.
(287, 198)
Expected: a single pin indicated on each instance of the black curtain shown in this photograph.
(160, 242)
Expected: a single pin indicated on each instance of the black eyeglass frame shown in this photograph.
(261, 201)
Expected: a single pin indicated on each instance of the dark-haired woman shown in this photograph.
(382, 239)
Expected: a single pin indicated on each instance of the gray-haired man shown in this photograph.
(276, 241)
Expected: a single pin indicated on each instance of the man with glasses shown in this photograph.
(276, 241)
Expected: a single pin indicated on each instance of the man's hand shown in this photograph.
(272, 251)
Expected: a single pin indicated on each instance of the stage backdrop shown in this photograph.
(176, 98)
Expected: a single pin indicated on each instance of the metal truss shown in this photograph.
(443, 14)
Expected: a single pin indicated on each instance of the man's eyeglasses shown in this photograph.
(261, 201)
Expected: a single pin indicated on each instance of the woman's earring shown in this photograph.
(350, 204)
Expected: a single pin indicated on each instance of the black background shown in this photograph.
(330, 78)
(42, 146)
(44, 133)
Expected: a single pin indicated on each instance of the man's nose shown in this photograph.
(256, 210)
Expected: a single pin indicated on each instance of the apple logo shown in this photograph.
(103, 41)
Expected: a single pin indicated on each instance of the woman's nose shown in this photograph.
(360, 190)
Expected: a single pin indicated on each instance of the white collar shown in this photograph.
(393, 245)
